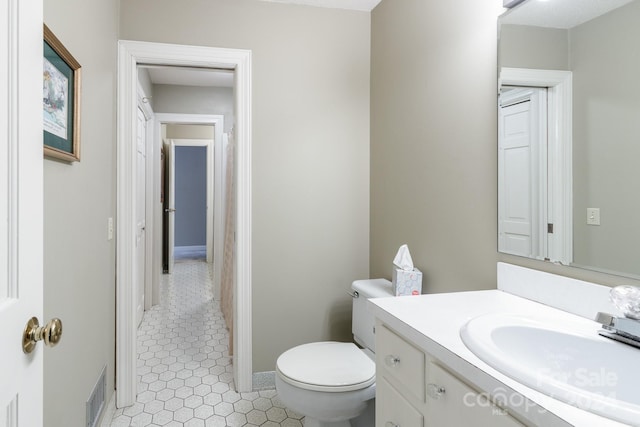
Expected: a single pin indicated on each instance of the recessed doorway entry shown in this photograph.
(131, 55)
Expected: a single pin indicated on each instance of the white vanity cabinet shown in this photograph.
(414, 390)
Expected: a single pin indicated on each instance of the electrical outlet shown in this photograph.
(110, 229)
(593, 216)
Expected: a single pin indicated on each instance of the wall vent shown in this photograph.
(96, 401)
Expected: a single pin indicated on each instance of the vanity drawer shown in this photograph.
(401, 362)
(451, 402)
(392, 410)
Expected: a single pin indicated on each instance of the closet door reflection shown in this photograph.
(522, 165)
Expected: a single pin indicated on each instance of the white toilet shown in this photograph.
(331, 383)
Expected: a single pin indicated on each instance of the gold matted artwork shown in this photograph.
(60, 100)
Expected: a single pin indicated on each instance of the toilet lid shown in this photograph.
(327, 366)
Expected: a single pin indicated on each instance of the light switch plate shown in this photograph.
(593, 216)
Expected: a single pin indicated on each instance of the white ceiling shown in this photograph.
(559, 13)
(182, 76)
(364, 5)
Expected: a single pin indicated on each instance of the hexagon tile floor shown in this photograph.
(184, 369)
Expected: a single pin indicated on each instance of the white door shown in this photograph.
(141, 174)
(21, 214)
(522, 173)
(171, 217)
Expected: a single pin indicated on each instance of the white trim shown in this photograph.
(538, 114)
(149, 268)
(218, 174)
(212, 212)
(362, 5)
(130, 54)
(560, 162)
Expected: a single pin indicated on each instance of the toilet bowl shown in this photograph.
(331, 383)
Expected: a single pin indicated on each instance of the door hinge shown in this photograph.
(550, 228)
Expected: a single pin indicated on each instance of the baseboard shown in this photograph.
(182, 249)
(264, 380)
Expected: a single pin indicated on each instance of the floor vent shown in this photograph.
(96, 401)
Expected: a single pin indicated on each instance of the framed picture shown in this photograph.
(60, 100)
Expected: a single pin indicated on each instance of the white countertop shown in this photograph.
(432, 322)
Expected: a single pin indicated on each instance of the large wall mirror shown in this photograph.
(569, 133)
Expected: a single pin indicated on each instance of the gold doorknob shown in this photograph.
(33, 332)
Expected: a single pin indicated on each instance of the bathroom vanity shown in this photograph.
(427, 375)
(415, 389)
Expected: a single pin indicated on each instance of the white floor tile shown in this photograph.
(184, 368)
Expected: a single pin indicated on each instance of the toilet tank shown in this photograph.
(363, 322)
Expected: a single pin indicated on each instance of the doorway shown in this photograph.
(522, 172)
(132, 54)
(190, 205)
(190, 195)
(559, 170)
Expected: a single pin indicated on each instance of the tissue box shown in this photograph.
(406, 282)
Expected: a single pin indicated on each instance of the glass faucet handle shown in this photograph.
(627, 299)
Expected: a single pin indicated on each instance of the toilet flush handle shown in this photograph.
(354, 294)
(391, 424)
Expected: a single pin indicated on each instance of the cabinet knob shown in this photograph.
(435, 391)
(392, 360)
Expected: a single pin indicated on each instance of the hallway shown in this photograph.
(184, 370)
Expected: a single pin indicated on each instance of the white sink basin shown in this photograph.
(569, 362)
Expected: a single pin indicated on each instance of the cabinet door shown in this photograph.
(392, 410)
(452, 403)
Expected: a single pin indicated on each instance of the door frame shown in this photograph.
(215, 223)
(537, 97)
(130, 55)
(211, 206)
(150, 152)
(560, 149)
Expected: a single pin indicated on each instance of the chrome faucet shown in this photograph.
(621, 329)
(624, 329)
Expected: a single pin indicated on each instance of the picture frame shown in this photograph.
(61, 86)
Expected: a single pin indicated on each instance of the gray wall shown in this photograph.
(433, 140)
(310, 153)
(195, 100)
(191, 196)
(79, 261)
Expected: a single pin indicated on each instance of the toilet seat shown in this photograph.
(327, 366)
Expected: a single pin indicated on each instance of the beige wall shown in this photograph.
(606, 149)
(189, 131)
(79, 261)
(195, 100)
(433, 140)
(523, 46)
(310, 153)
